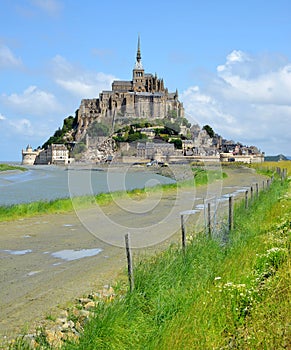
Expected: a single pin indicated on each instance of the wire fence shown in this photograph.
(218, 216)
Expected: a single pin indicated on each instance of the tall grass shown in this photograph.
(270, 167)
(211, 296)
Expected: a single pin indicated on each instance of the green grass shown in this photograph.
(202, 176)
(213, 296)
(5, 167)
(14, 212)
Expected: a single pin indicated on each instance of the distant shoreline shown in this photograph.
(4, 168)
(64, 205)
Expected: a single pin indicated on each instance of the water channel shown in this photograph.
(52, 182)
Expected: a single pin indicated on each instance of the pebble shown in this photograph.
(63, 328)
(90, 305)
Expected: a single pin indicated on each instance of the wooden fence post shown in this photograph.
(284, 174)
(246, 199)
(129, 263)
(209, 219)
(183, 233)
(252, 192)
(257, 189)
(230, 213)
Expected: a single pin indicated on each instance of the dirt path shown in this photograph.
(37, 276)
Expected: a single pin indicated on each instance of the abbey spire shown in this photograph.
(138, 55)
(138, 64)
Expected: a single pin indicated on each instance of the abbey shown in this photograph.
(145, 96)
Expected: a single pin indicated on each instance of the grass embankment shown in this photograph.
(6, 167)
(14, 212)
(233, 296)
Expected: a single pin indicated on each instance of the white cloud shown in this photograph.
(32, 101)
(26, 128)
(79, 82)
(51, 7)
(2, 117)
(7, 58)
(271, 88)
(248, 99)
(234, 57)
(205, 109)
(22, 127)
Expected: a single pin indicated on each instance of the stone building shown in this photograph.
(201, 144)
(145, 96)
(54, 154)
(154, 150)
(29, 155)
(57, 154)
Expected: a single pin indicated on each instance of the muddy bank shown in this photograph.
(49, 260)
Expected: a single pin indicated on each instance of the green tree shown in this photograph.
(69, 124)
(209, 130)
(185, 122)
(56, 138)
(177, 143)
(136, 136)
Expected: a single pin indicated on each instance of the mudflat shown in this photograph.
(49, 260)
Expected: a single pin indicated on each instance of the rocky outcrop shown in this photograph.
(69, 324)
(101, 152)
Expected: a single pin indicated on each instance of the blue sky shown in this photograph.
(229, 60)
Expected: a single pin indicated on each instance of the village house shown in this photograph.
(154, 150)
(57, 154)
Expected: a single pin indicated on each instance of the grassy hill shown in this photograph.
(277, 158)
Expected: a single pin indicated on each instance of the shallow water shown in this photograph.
(70, 254)
(16, 252)
(51, 182)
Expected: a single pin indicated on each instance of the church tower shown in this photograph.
(138, 77)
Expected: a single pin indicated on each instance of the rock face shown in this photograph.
(145, 96)
(99, 152)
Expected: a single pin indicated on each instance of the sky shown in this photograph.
(230, 61)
